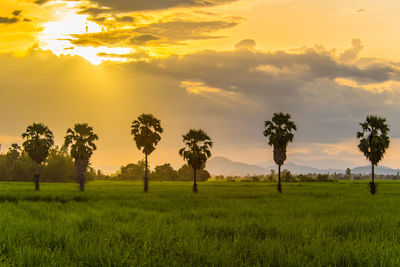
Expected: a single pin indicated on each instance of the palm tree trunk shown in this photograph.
(81, 166)
(37, 175)
(372, 185)
(82, 183)
(82, 178)
(194, 181)
(146, 182)
(279, 179)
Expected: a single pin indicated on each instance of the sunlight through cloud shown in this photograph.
(56, 36)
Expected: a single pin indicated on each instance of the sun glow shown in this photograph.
(57, 35)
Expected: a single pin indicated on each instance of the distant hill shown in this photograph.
(378, 170)
(224, 166)
(301, 169)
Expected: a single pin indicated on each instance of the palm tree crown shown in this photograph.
(374, 138)
(280, 132)
(14, 151)
(39, 140)
(146, 130)
(197, 149)
(81, 139)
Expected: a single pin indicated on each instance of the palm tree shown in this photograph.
(81, 139)
(39, 140)
(280, 132)
(196, 151)
(13, 154)
(146, 130)
(374, 141)
(348, 173)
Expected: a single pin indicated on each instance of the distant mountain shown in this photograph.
(301, 169)
(298, 168)
(224, 166)
(378, 170)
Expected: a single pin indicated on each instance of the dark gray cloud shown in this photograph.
(7, 20)
(171, 32)
(105, 16)
(15, 18)
(182, 30)
(143, 39)
(16, 13)
(246, 43)
(41, 2)
(307, 65)
(143, 5)
(94, 11)
(109, 38)
(125, 19)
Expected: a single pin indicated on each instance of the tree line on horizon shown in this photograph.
(288, 176)
(79, 146)
(16, 165)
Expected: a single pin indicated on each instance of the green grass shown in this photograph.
(225, 224)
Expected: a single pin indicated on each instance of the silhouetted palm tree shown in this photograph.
(13, 154)
(374, 140)
(39, 140)
(348, 173)
(196, 151)
(81, 139)
(146, 130)
(280, 132)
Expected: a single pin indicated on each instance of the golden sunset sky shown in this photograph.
(221, 65)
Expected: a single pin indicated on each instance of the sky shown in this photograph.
(221, 65)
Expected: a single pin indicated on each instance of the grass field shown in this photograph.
(226, 224)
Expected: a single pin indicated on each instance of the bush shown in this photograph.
(305, 178)
(323, 178)
(230, 179)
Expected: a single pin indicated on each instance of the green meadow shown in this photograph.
(225, 224)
